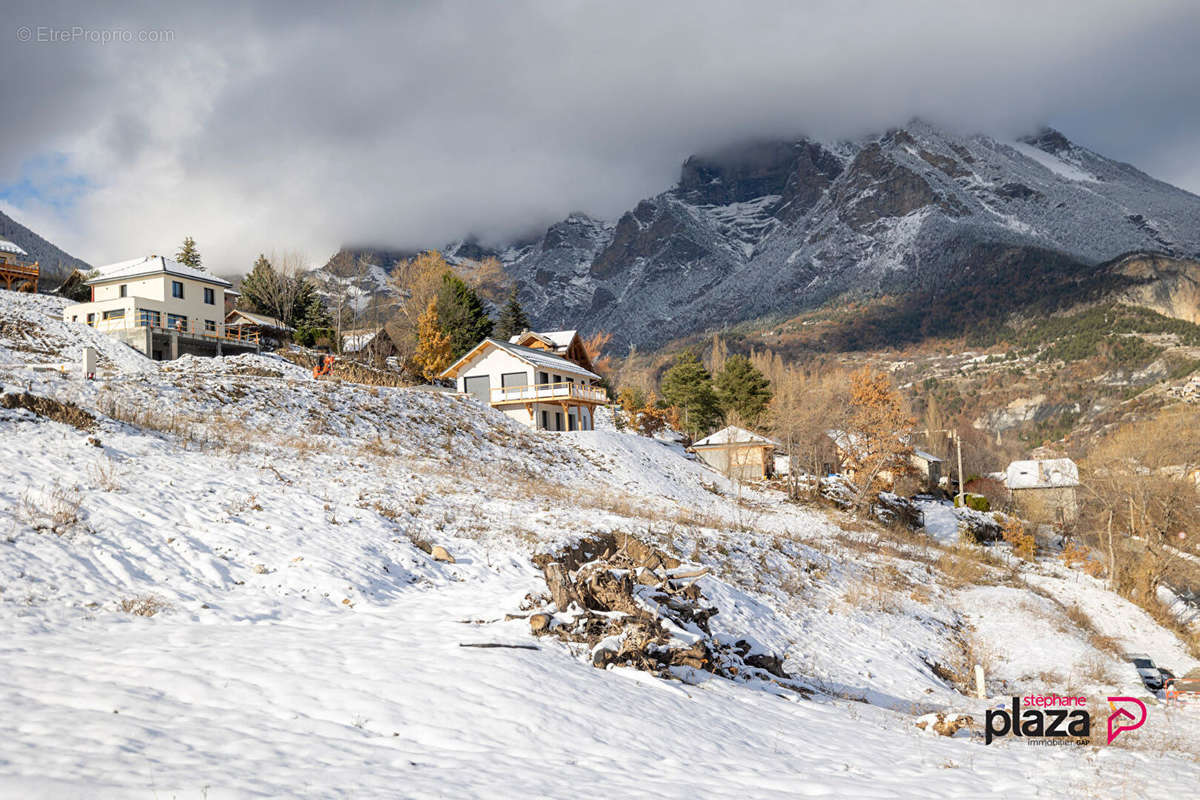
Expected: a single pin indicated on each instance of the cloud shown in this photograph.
(307, 125)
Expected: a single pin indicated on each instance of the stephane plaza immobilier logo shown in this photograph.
(1055, 719)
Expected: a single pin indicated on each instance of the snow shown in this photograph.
(149, 265)
(11, 247)
(311, 648)
(1058, 166)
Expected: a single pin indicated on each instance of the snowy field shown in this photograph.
(307, 646)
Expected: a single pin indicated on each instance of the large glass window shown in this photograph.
(150, 318)
(177, 322)
(210, 297)
(210, 326)
(480, 386)
(177, 289)
(116, 313)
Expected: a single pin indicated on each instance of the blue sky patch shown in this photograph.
(46, 180)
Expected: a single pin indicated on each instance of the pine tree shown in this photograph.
(433, 345)
(742, 389)
(260, 288)
(188, 255)
(688, 386)
(513, 319)
(461, 315)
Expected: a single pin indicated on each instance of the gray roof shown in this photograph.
(1051, 473)
(734, 435)
(152, 265)
(542, 359)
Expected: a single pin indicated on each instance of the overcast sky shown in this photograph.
(302, 126)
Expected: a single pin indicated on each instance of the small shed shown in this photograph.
(738, 453)
(1044, 490)
(928, 469)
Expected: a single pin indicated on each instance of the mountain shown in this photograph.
(55, 263)
(952, 223)
(775, 227)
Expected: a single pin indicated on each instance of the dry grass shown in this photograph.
(961, 567)
(105, 475)
(55, 509)
(144, 605)
(1099, 671)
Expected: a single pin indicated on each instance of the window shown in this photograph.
(514, 379)
(480, 386)
(116, 313)
(91, 320)
(177, 322)
(150, 318)
(543, 377)
(210, 297)
(558, 420)
(123, 291)
(177, 289)
(545, 420)
(210, 326)
(571, 421)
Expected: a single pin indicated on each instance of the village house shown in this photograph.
(1045, 490)
(534, 384)
(161, 308)
(738, 453)
(17, 273)
(927, 470)
(244, 324)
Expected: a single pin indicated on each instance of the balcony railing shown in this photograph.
(153, 320)
(538, 392)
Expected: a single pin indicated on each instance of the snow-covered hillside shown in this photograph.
(305, 643)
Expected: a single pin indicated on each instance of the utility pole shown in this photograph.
(958, 445)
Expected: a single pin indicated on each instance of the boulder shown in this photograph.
(440, 553)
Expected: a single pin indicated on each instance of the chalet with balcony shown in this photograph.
(536, 386)
(162, 308)
(17, 273)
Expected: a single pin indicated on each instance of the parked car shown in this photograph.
(1150, 674)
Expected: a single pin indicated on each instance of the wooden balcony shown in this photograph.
(23, 276)
(549, 393)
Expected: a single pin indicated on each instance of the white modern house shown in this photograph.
(162, 308)
(533, 384)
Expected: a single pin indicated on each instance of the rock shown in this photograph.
(440, 553)
(261, 569)
(539, 623)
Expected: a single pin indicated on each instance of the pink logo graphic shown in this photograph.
(1122, 719)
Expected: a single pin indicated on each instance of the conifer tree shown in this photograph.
(260, 288)
(461, 315)
(433, 345)
(188, 255)
(513, 319)
(688, 386)
(742, 389)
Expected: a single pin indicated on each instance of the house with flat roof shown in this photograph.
(534, 385)
(162, 308)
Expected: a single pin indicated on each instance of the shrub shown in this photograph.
(1023, 543)
(144, 605)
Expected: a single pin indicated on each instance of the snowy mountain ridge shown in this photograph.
(771, 228)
